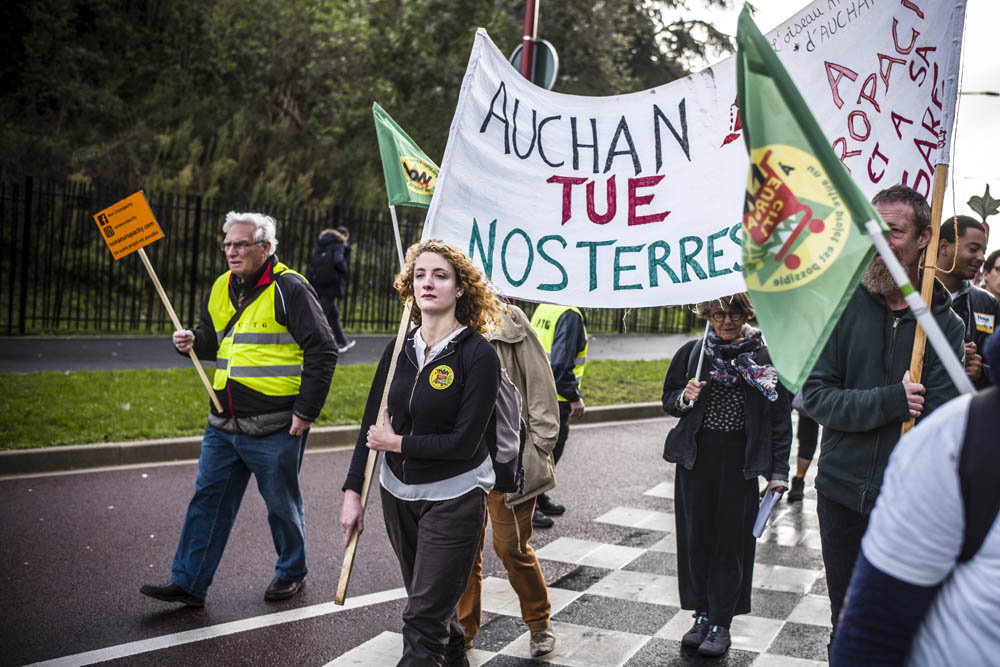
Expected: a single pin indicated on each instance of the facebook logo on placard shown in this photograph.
(109, 231)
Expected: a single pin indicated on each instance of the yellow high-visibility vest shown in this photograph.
(257, 351)
(543, 321)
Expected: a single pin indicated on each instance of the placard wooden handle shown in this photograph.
(177, 326)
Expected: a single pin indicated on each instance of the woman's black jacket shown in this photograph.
(768, 424)
(444, 412)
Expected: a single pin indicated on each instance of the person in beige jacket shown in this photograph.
(527, 366)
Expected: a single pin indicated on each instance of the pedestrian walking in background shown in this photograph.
(275, 356)
(960, 256)
(512, 514)
(563, 334)
(808, 436)
(436, 471)
(735, 425)
(860, 388)
(327, 273)
(926, 587)
(345, 275)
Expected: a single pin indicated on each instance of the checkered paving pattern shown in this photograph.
(618, 604)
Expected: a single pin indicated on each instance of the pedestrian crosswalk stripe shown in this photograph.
(221, 630)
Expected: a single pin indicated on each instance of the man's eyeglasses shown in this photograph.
(239, 246)
(734, 315)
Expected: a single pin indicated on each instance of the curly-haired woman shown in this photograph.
(436, 472)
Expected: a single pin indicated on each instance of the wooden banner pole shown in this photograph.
(177, 326)
(352, 545)
(927, 285)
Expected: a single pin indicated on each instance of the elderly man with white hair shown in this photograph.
(275, 356)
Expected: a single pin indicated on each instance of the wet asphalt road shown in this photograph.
(77, 547)
(62, 353)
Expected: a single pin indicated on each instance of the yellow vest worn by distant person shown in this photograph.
(543, 321)
(257, 351)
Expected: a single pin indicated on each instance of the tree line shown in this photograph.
(270, 100)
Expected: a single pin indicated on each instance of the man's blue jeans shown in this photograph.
(224, 468)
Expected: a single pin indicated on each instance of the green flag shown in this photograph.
(804, 243)
(410, 176)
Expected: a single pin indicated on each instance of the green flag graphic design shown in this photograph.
(410, 176)
(804, 243)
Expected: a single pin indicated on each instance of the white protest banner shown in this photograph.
(636, 200)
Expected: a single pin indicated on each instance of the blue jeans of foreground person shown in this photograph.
(224, 468)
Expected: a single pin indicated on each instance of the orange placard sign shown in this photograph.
(128, 225)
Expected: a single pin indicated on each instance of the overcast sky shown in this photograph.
(976, 142)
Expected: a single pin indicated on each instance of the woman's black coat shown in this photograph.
(768, 424)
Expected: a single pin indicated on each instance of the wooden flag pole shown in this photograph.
(352, 545)
(927, 286)
(177, 326)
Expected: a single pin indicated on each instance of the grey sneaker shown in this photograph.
(696, 635)
(716, 643)
(346, 346)
(543, 642)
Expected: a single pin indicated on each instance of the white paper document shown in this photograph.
(767, 504)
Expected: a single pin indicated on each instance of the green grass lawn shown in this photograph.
(56, 408)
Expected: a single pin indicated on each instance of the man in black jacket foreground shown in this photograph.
(275, 356)
(860, 388)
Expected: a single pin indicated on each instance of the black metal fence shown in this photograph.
(58, 277)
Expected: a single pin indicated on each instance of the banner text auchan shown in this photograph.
(636, 200)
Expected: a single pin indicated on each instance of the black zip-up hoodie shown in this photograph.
(979, 312)
(444, 412)
(768, 423)
(855, 391)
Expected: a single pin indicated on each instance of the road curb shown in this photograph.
(110, 454)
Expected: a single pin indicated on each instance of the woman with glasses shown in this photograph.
(735, 425)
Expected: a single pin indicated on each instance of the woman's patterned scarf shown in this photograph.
(735, 359)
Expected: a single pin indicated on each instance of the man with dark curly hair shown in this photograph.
(960, 256)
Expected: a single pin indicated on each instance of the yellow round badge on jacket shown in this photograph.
(441, 377)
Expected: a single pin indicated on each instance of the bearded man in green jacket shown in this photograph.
(860, 388)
